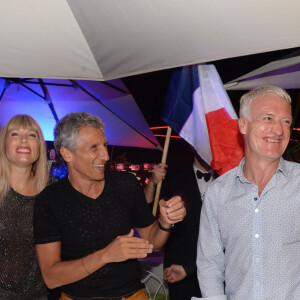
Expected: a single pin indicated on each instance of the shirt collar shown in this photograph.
(240, 173)
(280, 169)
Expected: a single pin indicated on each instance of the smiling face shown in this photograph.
(267, 134)
(22, 147)
(88, 162)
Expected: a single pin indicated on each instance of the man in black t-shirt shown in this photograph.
(83, 223)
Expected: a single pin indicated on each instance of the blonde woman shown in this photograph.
(23, 174)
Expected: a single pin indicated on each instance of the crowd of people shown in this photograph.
(233, 237)
(142, 171)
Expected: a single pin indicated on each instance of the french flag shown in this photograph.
(198, 108)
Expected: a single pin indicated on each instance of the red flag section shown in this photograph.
(226, 142)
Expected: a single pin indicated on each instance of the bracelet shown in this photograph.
(85, 267)
(164, 228)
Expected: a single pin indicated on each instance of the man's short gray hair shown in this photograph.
(67, 129)
(247, 98)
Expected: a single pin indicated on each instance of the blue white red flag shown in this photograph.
(198, 108)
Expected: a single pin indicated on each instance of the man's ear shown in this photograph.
(243, 124)
(66, 154)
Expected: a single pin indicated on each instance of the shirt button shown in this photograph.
(256, 235)
(257, 259)
(257, 283)
(256, 210)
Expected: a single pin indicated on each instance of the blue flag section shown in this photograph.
(178, 104)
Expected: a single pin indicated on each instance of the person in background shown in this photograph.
(180, 268)
(159, 173)
(249, 240)
(23, 174)
(121, 163)
(83, 224)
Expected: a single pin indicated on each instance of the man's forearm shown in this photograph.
(159, 237)
(149, 191)
(66, 272)
(57, 273)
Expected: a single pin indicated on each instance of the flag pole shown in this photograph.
(163, 160)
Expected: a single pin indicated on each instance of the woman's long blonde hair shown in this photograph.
(39, 169)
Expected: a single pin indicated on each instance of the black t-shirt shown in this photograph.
(85, 225)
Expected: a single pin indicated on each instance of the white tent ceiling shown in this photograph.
(105, 39)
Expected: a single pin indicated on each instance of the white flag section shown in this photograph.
(199, 137)
(213, 93)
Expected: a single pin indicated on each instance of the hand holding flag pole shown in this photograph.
(163, 160)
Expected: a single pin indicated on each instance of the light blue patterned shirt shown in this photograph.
(249, 241)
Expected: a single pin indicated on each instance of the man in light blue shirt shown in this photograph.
(249, 239)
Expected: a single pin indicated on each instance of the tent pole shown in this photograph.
(4, 90)
(46, 96)
(48, 99)
(113, 112)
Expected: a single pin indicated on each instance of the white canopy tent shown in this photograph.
(284, 72)
(105, 39)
